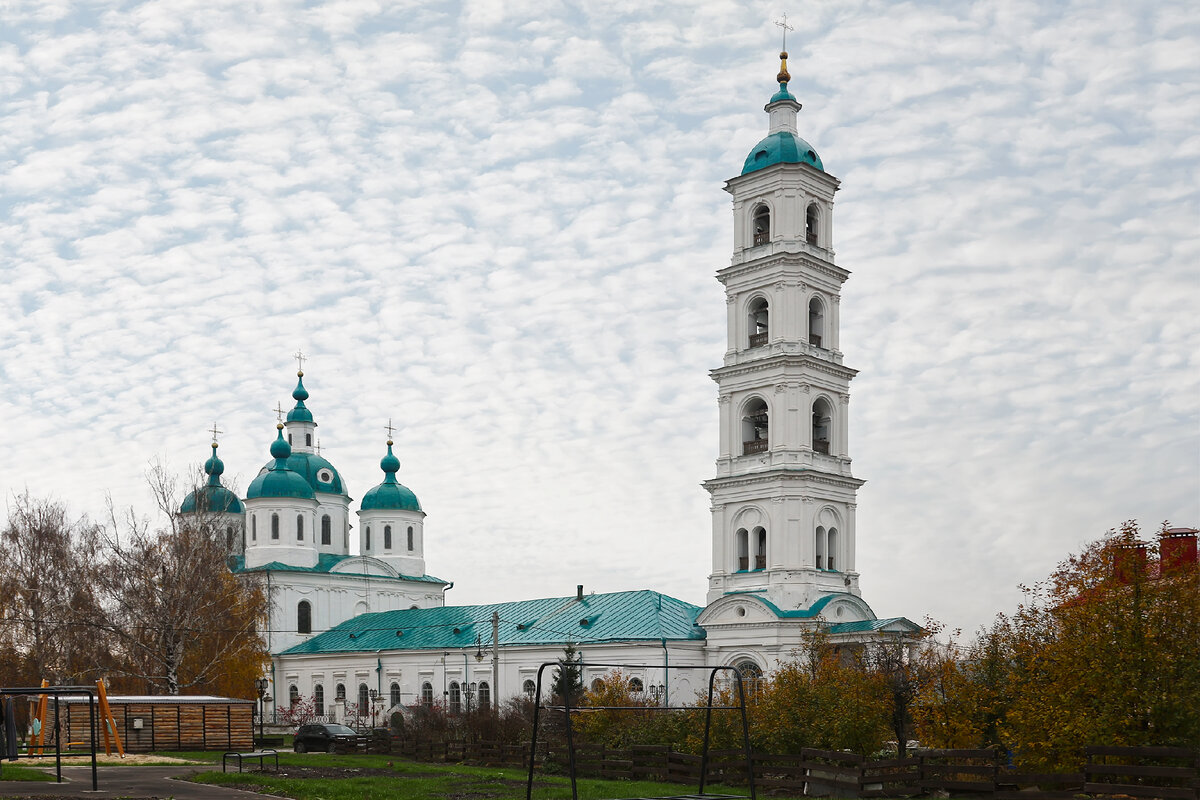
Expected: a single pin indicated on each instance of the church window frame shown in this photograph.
(816, 322)
(410, 538)
(819, 542)
(254, 527)
(394, 694)
(484, 694)
(367, 539)
(326, 530)
(427, 694)
(823, 440)
(760, 547)
(758, 321)
(274, 526)
(760, 224)
(293, 696)
(812, 224)
(229, 537)
(339, 693)
(364, 700)
(308, 440)
(299, 527)
(304, 617)
(529, 687)
(831, 550)
(742, 542)
(455, 701)
(636, 686)
(319, 700)
(752, 677)
(387, 537)
(756, 425)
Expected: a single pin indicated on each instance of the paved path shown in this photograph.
(132, 782)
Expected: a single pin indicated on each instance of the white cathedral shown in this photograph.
(365, 629)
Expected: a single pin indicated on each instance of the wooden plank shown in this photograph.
(1140, 752)
(1164, 792)
(1144, 770)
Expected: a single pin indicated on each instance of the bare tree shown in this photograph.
(50, 615)
(182, 620)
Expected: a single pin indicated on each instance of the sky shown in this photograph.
(497, 224)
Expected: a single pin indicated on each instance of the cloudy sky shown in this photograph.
(497, 224)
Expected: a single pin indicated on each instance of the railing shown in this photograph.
(760, 562)
(812, 237)
(760, 446)
(821, 446)
(814, 340)
(761, 238)
(743, 563)
(758, 339)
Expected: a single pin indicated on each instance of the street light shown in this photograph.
(260, 686)
(374, 696)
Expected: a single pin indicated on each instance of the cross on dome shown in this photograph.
(783, 23)
(389, 428)
(216, 432)
(299, 356)
(279, 412)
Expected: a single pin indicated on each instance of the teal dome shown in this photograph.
(320, 475)
(391, 494)
(300, 413)
(782, 147)
(212, 497)
(278, 480)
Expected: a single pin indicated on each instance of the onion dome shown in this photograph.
(391, 494)
(782, 146)
(212, 496)
(278, 480)
(300, 413)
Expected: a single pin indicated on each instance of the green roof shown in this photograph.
(804, 613)
(870, 625)
(782, 147)
(615, 617)
(308, 466)
(325, 564)
(215, 499)
(390, 494)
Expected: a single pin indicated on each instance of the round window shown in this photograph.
(325, 476)
(741, 612)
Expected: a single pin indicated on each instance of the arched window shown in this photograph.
(831, 551)
(636, 686)
(820, 547)
(293, 696)
(410, 538)
(229, 537)
(299, 528)
(394, 694)
(274, 526)
(759, 322)
(367, 538)
(755, 427)
(743, 548)
(253, 528)
(339, 692)
(751, 677)
(812, 221)
(364, 699)
(326, 530)
(529, 687)
(304, 617)
(319, 700)
(816, 321)
(346, 534)
(308, 440)
(427, 694)
(760, 548)
(822, 425)
(598, 685)
(762, 225)
(387, 537)
(455, 698)
(485, 695)
(289, 438)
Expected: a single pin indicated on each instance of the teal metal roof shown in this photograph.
(615, 617)
(308, 466)
(215, 499)
(782, 147)
(300, 413)
(325, 564)
(802, 613)
(279, 480)
(867, 625)
(390, 494)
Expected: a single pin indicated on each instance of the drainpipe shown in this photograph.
(666, 673)
(274, 696)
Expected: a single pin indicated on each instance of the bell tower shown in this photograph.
(783, 499)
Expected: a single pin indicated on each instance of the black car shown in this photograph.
(320, 738)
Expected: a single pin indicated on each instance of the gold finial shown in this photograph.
(390, 442)
(783, 76)
(278, 426)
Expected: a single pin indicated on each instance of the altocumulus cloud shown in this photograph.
(497, 224)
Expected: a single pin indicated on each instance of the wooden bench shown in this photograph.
(241, 757)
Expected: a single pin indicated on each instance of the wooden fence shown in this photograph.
(1144, 772)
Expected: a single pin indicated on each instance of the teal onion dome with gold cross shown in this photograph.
(391, 494)
(212, 496)
(278, 480)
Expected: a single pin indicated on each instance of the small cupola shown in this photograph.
(278, 480)
(212, 497)
(782, 145)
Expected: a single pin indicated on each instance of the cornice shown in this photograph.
(787, 258)
(783, 359)
(794, 475)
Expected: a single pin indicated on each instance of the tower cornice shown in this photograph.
(786, 262)
(785, 360)
(783, 476)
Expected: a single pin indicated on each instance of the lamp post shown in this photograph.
(260, 686)
(374, 693)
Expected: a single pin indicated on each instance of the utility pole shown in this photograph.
(495, 660)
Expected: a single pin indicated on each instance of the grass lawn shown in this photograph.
(15, 772)
(319, 776)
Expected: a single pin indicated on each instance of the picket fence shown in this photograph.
(1169, 773)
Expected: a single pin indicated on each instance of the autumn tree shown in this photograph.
(183, 622)
(49, 621)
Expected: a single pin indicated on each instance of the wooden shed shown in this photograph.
(161, 722)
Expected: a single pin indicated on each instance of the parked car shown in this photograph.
(320, 738)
